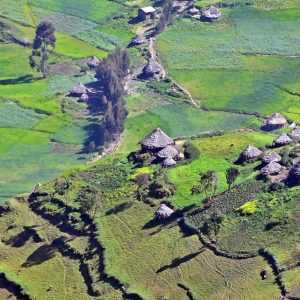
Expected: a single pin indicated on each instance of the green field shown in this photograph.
(248, 61)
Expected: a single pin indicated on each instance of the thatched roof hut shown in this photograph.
(271, 157)
(84, 97)
(168, 151)
(164, 212)
(210, 14)
(272, 168)
(138, 40)
(78, 90)
(168, 162)
(274, 122)
(93, 62)
(154, 69)
(294, 175)
(250, 152)
(194, 11)
(282, 140)
(157, 139)
(295, 133)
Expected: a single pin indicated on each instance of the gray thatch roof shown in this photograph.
(168, 162)
(295, 133)
(194, 11)
(169, 151)
(276, 120)
(164, 212)
(93, 62)
(212, 13)
(156, 139)
(282, 140)
(84, 97)
(294, 175)
(271, 157)
(251, 152)
(272, 168)
(139, 40)
(153, 69)
(78, 90)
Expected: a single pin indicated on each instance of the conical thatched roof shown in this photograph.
(84, 97)
(212, 13)
(272, 168)
(282, 140)
(194, 11)
(164, 212)
(295, 133)
(153, 69)
(274, 122)
(251, 152)
(169, 162)
(271, 157)
(78, 90)
(169, 151)
(93, 62)
(139, 40)
(156, 139)
(294, 175)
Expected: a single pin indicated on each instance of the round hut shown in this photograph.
(250, 152)
(168, 151)
(194, 11)
(272, 168)
(93, 62)
(295, 133)
(84, 97)
(154, 70)
(211, 14)
(168, 162)
(294, 175)
(271, 157)
(276, 121)
(156, 141)
(282, 140)
(164, 212)
(78, 90)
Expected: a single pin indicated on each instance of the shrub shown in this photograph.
(191, 152)
(248, 208)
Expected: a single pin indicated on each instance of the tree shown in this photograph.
(208, 184)
(43, 41)
(212, 224)
(231, 176)
(89, 200)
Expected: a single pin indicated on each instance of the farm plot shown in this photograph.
(246, 62)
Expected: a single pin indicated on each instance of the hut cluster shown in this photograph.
(209, 14)
(81, 91)
(271, 160)
(160, 148)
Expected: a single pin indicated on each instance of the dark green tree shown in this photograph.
(44, 40)
(208, 184)
(231, 176)
(212, 224)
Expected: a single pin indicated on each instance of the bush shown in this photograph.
(191, 152)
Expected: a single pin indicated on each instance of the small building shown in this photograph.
(168, 151)
(146, 13)
(210, 14)
(93, 62)
(156, 141)
(138, 40)
(78, 90)
(194, 11)
(154, 70)
(84, 97)
(282, 140)
(164, 212)
(271, 157)
(276, 121)
(168, 162)
(295, 133)
(272, 168)
(250, 153)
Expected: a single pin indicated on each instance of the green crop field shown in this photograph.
(246, 62)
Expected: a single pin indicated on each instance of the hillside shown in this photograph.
(177, 205)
